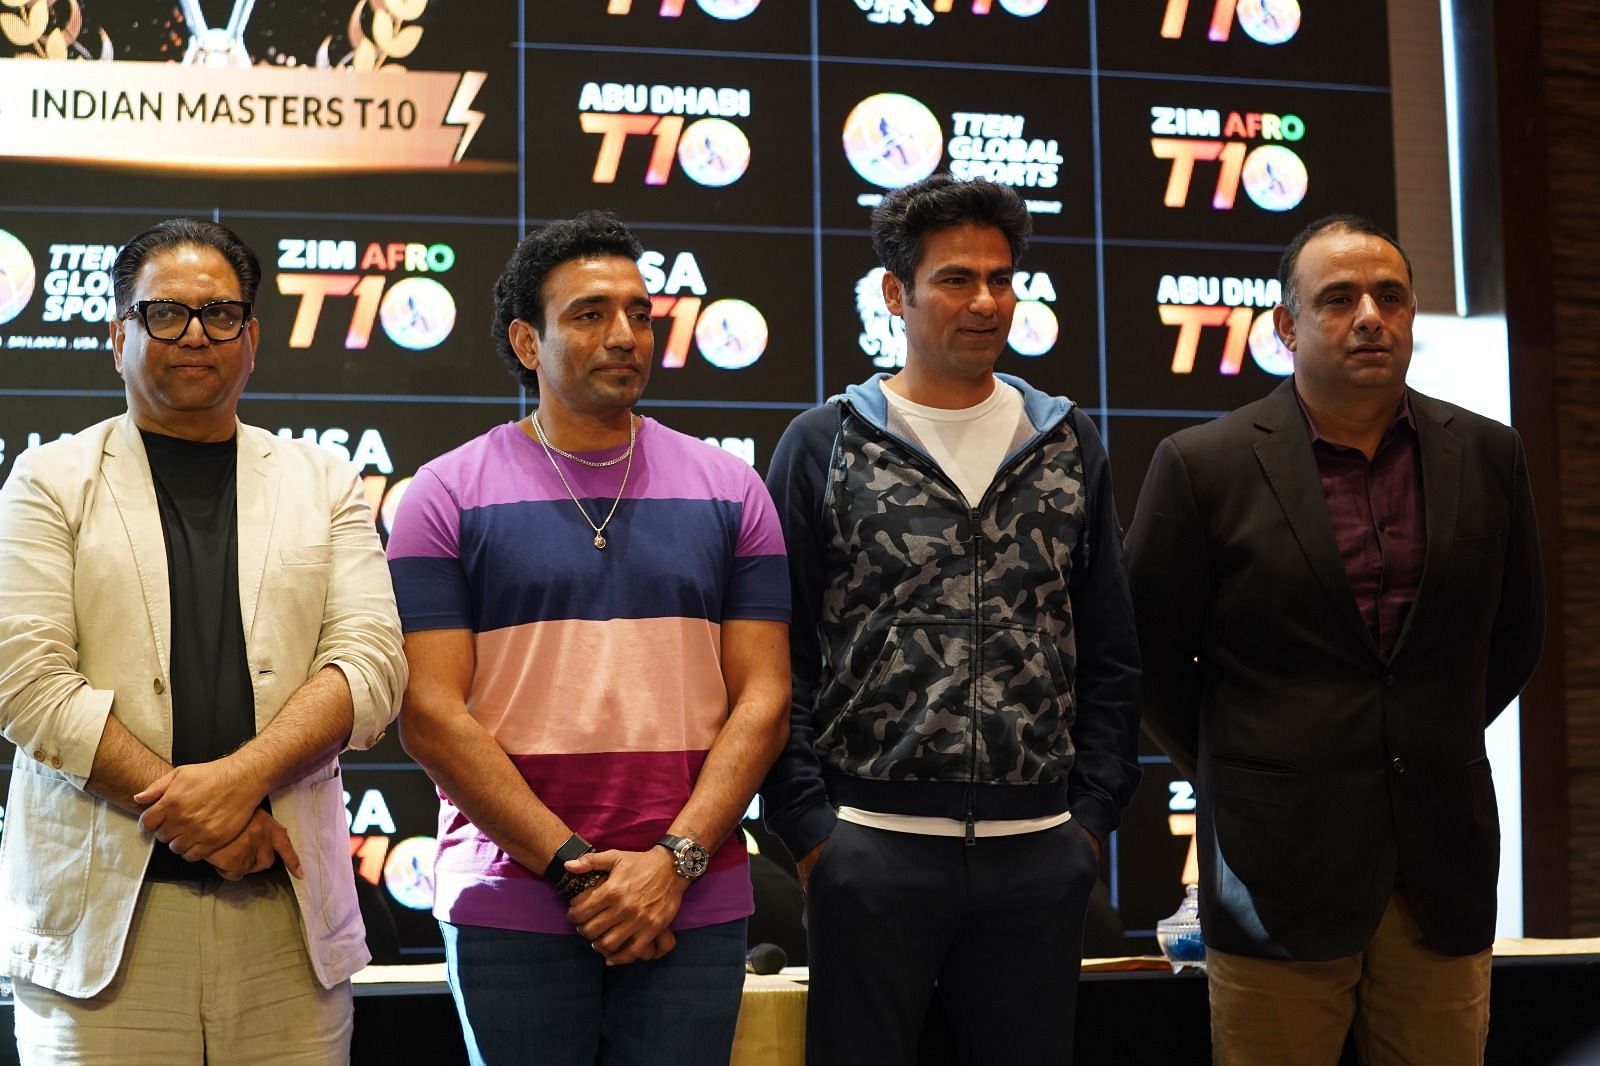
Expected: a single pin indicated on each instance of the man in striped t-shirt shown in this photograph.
(596, 610)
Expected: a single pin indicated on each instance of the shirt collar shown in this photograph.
(1402, 417)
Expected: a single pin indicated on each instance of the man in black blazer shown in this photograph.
(1337, 588)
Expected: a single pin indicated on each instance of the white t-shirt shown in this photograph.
(970, 443)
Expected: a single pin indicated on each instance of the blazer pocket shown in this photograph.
(1478, 547)
(306, 555)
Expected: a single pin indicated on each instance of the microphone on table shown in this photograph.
(765, 959)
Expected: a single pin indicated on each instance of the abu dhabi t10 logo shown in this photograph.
(1272, 175)
(1243, 306)
(725, 10)
(1267, 21)
(1034, 327)
(921, 13)
(711, 150)
(17, 276)
(730, 334)
(416, 312)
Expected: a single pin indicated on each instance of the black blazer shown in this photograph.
(1324, 772)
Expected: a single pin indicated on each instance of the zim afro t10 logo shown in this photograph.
(1273, 176)
(416, 312)
(711, 150)
(1266, 21)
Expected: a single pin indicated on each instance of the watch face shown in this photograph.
(691, 859)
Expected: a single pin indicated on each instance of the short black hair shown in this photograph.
(519, 292)
(1346, 223)
(907, 215)
(180, 231)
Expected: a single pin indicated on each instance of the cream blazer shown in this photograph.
(85, 631)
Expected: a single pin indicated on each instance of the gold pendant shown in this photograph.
(599, 540)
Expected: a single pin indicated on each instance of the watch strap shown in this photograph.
(575, 847)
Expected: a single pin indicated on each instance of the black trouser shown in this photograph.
(989, 934)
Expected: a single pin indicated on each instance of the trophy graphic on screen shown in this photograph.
(217, 47)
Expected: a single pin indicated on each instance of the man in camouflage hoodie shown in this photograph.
(963, 735)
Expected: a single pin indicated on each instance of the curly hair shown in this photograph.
(519, 291)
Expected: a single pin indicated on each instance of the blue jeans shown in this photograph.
(548, 999)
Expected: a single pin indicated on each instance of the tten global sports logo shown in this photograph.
(1242, 306)
(892, 140)
(923, 12)
(1272, 174)
(1034, 327)
(416, 312)
(723, 10)
(1267, 21)
(689, 124)
(17, 276)
(730, 334)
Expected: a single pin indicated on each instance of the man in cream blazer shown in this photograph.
(195, 619)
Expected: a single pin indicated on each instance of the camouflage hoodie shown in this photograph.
(962, 662)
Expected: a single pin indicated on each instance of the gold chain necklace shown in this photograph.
(599, 530)
(539, 429)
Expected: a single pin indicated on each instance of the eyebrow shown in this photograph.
(1385, 284)
(955, 270)
(600, 298)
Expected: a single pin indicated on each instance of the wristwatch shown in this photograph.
(689, 859)
(574, 848)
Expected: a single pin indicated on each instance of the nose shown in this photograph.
(984, 300)
(1367, 316)
(620, 334)
(194, 334)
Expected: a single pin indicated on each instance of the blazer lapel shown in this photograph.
(126, 471)
(1441, 495)
(257, 491)
(1286, 458)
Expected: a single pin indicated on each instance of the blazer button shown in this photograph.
(55, 760)
(38, 755)
(1389, 681)
(160, 686)
(1399, 765)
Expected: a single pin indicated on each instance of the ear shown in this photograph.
(253, 330)
(524, 342)
(894, 294)
(1283, 322)
(118, 336)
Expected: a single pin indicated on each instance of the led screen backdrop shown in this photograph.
(383, 156)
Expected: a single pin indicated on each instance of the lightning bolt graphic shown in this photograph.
(460, 112)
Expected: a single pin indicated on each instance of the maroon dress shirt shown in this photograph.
(1378, 521)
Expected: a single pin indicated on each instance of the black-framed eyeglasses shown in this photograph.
(167, 320)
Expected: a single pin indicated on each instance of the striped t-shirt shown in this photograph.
(598, 671)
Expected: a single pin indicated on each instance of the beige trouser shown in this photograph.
(1411, 1005)
(213, 974)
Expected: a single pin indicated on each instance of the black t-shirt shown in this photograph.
(213, 705)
